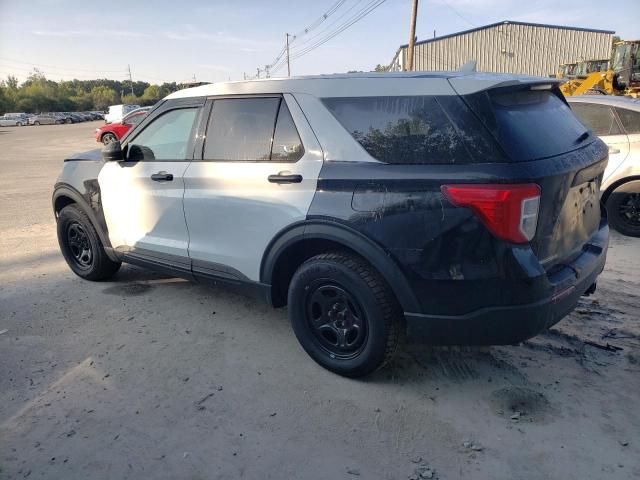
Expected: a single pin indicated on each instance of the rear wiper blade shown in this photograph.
(583, 137)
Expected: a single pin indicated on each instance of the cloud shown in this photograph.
(219, 68)
(100, 33)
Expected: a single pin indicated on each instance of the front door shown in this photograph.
(258, 174)
(142, 195)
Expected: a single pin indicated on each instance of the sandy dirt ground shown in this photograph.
(150, 377)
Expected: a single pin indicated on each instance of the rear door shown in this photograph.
(142, 195)
(257, 174)
(602, 120)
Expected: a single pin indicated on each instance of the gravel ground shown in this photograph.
(153, 377)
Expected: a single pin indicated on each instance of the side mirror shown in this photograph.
(112, 152)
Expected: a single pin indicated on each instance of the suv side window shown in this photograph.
(240, 129)
(165, 138)
(630, 120)
(251, 130)
(599, 118)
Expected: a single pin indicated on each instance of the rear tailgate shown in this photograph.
(535, 127)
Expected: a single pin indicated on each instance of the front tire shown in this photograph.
(344, 314)
(623, 210)
(108, 138)
(81, 245)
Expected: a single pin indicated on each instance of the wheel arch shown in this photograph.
(611, 188)
(64, 195)
(291, 247)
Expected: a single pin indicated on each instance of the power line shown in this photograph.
(306, 31)
(370, 7)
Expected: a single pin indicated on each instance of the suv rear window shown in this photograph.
(529, 124)
(415, 129)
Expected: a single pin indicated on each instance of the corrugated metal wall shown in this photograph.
(510, 48)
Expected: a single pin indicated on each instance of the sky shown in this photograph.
(218, 40)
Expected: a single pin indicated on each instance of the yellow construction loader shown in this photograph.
(621, 78)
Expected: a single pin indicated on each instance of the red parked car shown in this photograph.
(115, 131)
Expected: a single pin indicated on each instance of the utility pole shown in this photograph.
(244, 75)
(258, 70)
(130, 78)
(266, 70)
(288, 64)
(412, 35)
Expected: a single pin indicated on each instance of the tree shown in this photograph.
(103, 97)
(151, 95)
(129, 99)
(381, 68)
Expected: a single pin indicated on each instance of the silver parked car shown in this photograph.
(46, 119)
(13, 120)
(616, 120)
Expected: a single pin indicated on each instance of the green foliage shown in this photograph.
(103, 97)
(37, 94)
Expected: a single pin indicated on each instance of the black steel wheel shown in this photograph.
(81, 245)
(337, 321)
(344, 314)
(623, 209)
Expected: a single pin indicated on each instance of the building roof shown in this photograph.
(509, 22)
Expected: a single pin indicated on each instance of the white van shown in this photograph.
(117, 112)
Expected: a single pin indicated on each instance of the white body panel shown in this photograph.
(142, 213)
(232, 210)
(618, 152)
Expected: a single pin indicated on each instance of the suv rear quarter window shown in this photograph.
(416, 129)
(630, 120)
(599, 118)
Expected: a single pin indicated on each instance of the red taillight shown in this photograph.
(510, 212)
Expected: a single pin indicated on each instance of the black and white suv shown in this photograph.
(463, 204)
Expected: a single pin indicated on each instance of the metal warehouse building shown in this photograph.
(509, 47)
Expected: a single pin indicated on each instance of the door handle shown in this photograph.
(285, 178)
(614, 150)
(162, 177)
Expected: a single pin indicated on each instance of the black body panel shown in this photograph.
(455, 267)
(78, 183)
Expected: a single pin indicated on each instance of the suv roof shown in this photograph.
(367, 84)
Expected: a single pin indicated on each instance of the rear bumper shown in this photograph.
(500, 325)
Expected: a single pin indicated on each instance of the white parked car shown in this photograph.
(117, 112)
(616, 120)
(11, 120)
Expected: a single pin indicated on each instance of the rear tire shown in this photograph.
(81, 245)
(344, 314)
(623, 210)
(36, 123)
